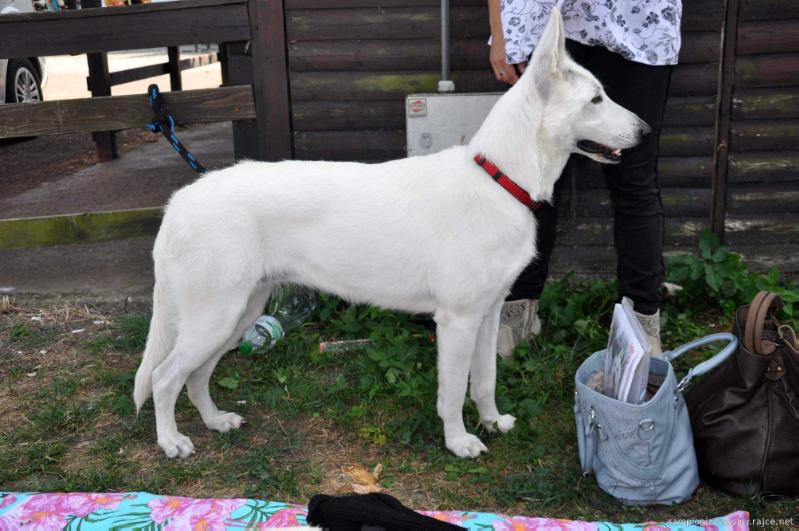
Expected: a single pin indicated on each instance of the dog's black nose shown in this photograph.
(643, 129)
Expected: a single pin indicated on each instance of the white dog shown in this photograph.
(433, 234)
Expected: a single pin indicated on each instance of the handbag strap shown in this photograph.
(764, 304)
(749, 325)
(709, 364)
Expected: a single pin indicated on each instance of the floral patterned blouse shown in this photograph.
(644, 31)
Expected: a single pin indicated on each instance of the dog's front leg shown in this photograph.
(483, 376)
(456, 334)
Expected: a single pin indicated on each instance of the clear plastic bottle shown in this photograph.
(344, 346)
(288, 308)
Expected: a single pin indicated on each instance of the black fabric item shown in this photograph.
(356, 512)
(745, 414)
(633, 184)
(530, 283)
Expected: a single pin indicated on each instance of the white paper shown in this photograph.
(627, 364)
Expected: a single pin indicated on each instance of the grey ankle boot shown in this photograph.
(651, 325)
(518, 322)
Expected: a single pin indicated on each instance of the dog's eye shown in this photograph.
(597, 100)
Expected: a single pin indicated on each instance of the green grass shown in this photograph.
(308, 413)
(24, 336)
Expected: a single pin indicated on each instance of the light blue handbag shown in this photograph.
(642, 453)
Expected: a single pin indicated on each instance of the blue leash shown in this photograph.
(165, 123)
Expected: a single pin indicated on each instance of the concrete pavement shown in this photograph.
(110, 271)
(145, 177)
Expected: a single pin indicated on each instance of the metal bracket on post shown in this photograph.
(726, 79)
(445, 85)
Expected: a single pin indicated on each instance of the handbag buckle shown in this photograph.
(646, 425)
(787, 338)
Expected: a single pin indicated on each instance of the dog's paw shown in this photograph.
(503, 423)
(177, 445)
(224, 421)
(466, 445)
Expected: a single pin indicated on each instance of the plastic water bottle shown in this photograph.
(288, 308)
(344, 346)
(265, 331)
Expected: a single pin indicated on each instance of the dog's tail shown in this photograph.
(160, 341)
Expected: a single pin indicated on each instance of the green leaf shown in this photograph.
(357, 412)
(708, 243)
(228, 382)
(712, 278)
(529, 408)
(721, 254)
(20, 330)
(696, 270)
(281, 374)
(350, 315)
(789, 296)
(376, 355)
(773, 275)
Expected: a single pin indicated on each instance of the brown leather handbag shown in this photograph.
(745, 414)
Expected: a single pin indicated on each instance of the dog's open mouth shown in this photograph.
(595, 148)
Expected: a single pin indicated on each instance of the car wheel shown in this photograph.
(22, 82)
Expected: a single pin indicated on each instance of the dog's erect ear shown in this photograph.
(546, 63)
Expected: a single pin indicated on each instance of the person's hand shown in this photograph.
(502, 70)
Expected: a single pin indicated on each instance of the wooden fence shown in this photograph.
(761, 199)
(351, 66)
(729, 150)
(251, 35)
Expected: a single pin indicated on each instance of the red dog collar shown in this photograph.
(507, 183)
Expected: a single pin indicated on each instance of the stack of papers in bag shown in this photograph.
(627, 363)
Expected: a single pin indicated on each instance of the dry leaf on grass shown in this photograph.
(364, 482)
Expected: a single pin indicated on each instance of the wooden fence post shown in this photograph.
(237, 70)
(270, 79)
(100, 85)
(718, 198)
(175, 76)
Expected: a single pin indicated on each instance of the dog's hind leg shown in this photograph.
(200, 337)
(483, 376)
(456, 334)
(198, 382)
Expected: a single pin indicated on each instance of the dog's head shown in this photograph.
(577, 112)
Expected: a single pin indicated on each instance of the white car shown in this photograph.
(21, 79)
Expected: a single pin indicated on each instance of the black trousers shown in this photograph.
(633, 184)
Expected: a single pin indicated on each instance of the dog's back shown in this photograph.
(320, 223)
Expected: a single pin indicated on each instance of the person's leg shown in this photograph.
(633, 183)
(530, 282)
(518, 319)
(519, 316)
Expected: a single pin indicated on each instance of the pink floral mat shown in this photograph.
(149, 512)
